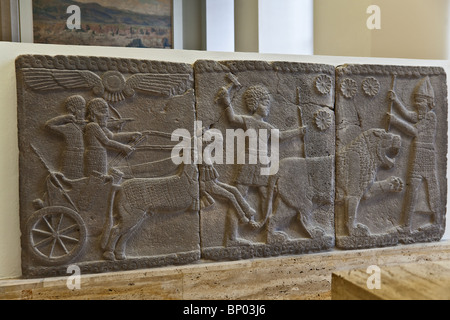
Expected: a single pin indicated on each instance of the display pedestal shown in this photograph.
(292, 277)
(411, 281)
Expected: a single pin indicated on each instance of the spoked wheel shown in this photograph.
(56, 235)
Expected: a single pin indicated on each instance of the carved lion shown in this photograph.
(356, 170)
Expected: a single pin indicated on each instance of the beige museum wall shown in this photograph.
(9, 197)
(412, 29)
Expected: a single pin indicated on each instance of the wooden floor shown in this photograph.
(291, 277)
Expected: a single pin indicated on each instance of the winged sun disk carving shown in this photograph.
(112, 85)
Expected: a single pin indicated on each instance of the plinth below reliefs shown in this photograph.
(128, 164)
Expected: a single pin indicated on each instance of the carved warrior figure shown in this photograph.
(71, 127)
(258, 101)
(423, 163)
(357, 165)
(98, 138)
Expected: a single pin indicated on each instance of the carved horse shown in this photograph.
(139, 198)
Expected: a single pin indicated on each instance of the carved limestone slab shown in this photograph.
(281, 115)
(391, 147)
(98, 187)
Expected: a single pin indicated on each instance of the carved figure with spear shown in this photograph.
(421, 125)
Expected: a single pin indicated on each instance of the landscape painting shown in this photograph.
(132, 23)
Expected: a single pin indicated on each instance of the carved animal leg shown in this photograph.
(231, 225)
(109, 248)
(305, 219)
(115, 230)
(392, 184)
(129, 228)
(231, 231)
(264, 197)
(269, 199)
(127, 219)
(410, 203)
(351, 205)
(354, 228)
(274, 235)
(272, 221)
(108, 223)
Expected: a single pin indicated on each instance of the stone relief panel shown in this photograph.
(391, 147)
(128, 164)
(98, 186)
(283, 115)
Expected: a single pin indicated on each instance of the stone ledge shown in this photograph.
(292, 277)
(410, 281)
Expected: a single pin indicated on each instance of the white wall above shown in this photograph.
(286, 26)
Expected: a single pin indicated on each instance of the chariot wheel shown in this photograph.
(56, 235)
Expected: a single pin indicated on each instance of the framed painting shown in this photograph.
(135, 23)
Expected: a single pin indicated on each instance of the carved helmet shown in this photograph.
(424, 89)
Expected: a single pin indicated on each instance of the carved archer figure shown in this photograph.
(98, 138)
(423, 162)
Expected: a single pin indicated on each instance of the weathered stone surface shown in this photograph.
(249, 214)
(103, 185)
(97, 184)
(391, 146)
